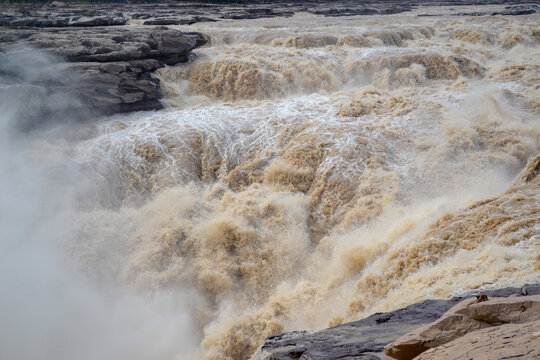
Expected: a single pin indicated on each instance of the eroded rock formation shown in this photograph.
(458, 329)
(101, 70)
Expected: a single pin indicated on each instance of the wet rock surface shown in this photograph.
(366, 338)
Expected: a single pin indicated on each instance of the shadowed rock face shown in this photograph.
(366, 338)
(58, 91)
(104, 70)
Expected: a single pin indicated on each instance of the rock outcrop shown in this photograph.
(511, 341)
(106, 44)
(365, 339)
(102, 70)
(360, 339)
(466, 318)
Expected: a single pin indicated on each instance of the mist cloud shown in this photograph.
(49, 309)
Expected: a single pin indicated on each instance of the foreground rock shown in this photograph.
(366, 338)
(466, 317)
(99, 70)
(511, 341)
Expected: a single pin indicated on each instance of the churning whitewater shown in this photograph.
(310, 171)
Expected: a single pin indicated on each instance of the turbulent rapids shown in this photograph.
(310, 171)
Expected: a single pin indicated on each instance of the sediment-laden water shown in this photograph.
(308, 172)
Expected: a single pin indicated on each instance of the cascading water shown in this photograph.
(310, 171)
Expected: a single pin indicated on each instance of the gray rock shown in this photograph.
(48, 90)
(98, 21)
(83, 72)
(60, 20)
(176, 20)
(100, 44)
(113, 87)
(177, 13)
(168, 13)
(170, 21)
